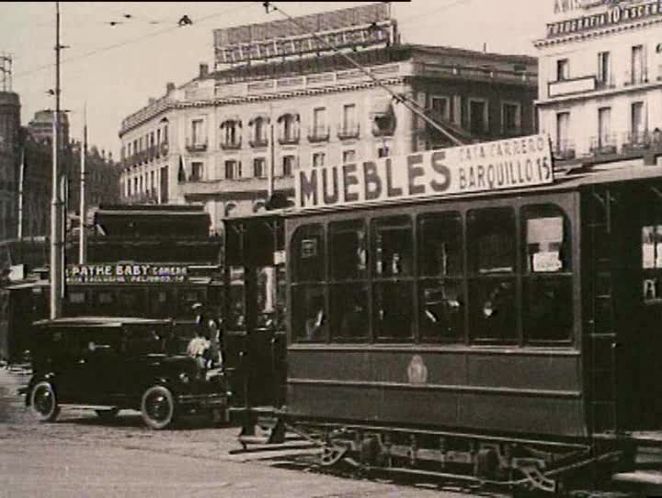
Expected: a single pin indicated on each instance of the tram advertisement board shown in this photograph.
(482, 167)
(125, 273)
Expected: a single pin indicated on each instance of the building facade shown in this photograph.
(10, 124)
(600, 78)
(233, 137)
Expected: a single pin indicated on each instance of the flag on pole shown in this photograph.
(181, 174)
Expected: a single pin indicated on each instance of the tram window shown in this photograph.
(236, 317)
(105, 298)
(77, 297)
(349, 313)
(393, 247)
(348, 250)
(392, 309)
(440, 244)
(547, 239)
(492, 239)
(308, 251)
(493, 316)
(441, 316)
(651, 247)
(310, 318)
(547, 309)
(266, 296)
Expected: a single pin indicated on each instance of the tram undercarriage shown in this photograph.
(492, 462)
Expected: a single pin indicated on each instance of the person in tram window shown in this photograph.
(213, 354)
(315, 320)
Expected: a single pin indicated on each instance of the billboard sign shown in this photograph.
(484, 167)
(125, 273)
(357, 26)
(610, 13)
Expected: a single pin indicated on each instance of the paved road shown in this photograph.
(79, 456)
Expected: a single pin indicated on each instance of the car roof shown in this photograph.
(99, 321)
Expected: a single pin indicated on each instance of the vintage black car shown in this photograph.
(111, 363)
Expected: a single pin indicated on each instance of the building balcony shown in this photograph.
(291, 139)
(196, 145)
(231, 145)
(564, 150)
(634, 142)
(604, 145)
(256, 142)
(318, 134)
(636, 78)
(234, 187)
(349, 132)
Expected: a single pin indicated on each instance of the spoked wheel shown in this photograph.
(107, 415)
(158, 407)
(332, 454)
(44, 402)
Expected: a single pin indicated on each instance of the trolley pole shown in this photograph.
(56, 244)
(82, 247)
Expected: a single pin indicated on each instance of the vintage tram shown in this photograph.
(503, 330)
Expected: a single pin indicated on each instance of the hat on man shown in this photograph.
(196, 306)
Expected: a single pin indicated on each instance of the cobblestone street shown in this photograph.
(82, 456)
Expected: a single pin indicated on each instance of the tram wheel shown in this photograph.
(332, 455)
(44, 402)
(158, 407)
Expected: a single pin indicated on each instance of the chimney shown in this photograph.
(170, 87)
(204, 70)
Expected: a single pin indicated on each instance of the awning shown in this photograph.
(259, 116)
(381, 107)
(295, 116)
(234, 119)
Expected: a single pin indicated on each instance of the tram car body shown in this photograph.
(507, 336)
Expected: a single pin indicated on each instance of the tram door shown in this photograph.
(254, 334)
(623, 343)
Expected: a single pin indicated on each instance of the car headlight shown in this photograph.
(184, 378)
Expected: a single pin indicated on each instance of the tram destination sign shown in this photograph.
(125, 273)
(483, 167)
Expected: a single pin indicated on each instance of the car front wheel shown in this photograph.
(44, 402)
(158, 407)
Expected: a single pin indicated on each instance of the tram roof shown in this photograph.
(99, 321)
(575, 179)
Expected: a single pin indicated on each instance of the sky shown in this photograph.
(113, 64)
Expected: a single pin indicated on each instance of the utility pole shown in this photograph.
(272, 161)
(56, 266)
(21, 181)
(82, 247)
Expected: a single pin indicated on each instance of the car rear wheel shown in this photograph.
(44, 402)
(108, 414)
(158, 407)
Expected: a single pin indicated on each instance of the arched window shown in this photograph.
(259, 127)
(230, 134)
(230, 207)
(288, 128)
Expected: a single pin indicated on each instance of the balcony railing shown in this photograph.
(164, 149)
(564, 150)
(196, 146)
(318, 134)
(290, 139)
(258, 142)
(636, 78)
(231, 144)
(349, 131)
(604, 145)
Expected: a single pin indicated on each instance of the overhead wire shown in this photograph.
(122, 44)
